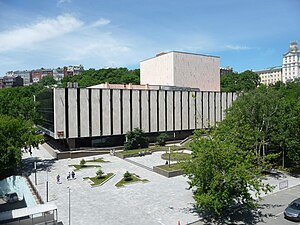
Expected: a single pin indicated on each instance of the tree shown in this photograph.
(136, 139)
(237, 82)
(127, 176)
(82, 163)
(111, 75)
(161, 139)
(48, 80)
(19, 102)
(266, 120)
(99, 173)
(222, 175)
(15, 134)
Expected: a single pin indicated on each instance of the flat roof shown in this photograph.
(23, 212)
(188, 53)
(268, 69)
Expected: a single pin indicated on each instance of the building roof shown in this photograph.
(188, 53)
(269, 69)
(23, 212)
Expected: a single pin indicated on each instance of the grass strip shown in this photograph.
(122, 182)
(98, 181)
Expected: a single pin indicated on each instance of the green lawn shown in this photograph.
(122, 182)
(176, 156)
(135, 151)
(172, 167)
(99, 160)
(98, 181)
(78, 167)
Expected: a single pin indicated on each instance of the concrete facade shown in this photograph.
(182, 69)
(85, 112)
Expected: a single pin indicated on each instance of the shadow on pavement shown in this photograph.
(41, 164)
(238, 216)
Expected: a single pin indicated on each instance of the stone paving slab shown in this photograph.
(159, 201)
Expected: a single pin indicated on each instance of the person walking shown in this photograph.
(73, 174)
(69, 176)
(58, 179)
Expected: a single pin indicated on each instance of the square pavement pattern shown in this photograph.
(161, 201)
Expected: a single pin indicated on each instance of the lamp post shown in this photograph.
(174, 139)
(69, 205)
(35, 176)
(283, 157)
(47, 186)
(169, 156)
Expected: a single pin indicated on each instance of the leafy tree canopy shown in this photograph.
(111, 75)
(15, 134)
(261, 125)
(237, 82)
(19, 102)
(222, 175)
(136, 139)
(266, 120)
(48, 80)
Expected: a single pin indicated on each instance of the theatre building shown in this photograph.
(101, 115)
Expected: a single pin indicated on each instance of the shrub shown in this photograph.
(136, 139)
(127, 176)
(100, 173)
(82, 163)
(161, 139)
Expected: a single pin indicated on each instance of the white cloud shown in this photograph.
(44, 29)
(237, 47)
(63, 1)
(100, 22)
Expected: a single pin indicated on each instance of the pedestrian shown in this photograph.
(69, 176)
(58, 179)
(73, 174)
(30, 152)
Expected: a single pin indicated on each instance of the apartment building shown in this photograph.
(291, 63)
(289, 71)
(270, 75)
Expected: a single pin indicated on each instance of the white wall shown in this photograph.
(183, 70)
(197, 71)
(157, 70)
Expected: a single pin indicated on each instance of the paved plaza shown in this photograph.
(160, 201)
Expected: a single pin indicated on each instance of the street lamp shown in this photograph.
(47, 186)
(169, 156)
(69, 205)
(174, 139)
(35, 176)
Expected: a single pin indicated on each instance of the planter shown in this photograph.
(166, 173)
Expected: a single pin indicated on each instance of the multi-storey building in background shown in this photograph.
(1, 82)
(270, 75)
(226, 70)
(73, 70)
(34, 76)
(289, 71)
(291, 63)
(25, 74)
(10, 81)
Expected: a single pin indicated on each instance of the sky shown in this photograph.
(245, 34)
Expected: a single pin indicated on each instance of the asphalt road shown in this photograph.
(270, 211)
(273, 206)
